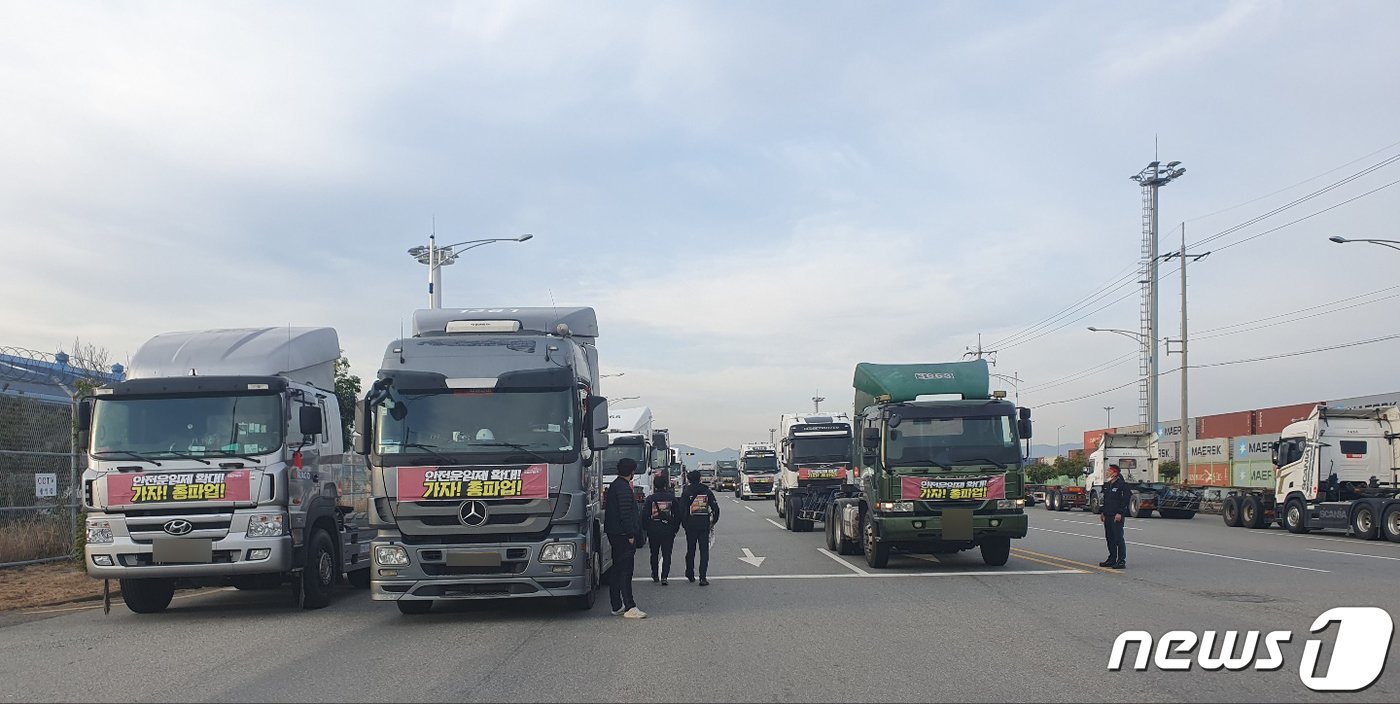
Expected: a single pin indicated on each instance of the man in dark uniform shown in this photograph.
(699, 513)
(1116, 496)
(623, 525)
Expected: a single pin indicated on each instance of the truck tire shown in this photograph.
(830, 529)
(582, 602)
(1252, 513)
(1230, 511)
(1136, 510)
(358, 579)
(1364, 524)
(319, 571)
(1049, 502)
(1094, 506)
(787, 521)
(996, 551)
(877, 554)
(778, 505)
(147, 596)
(1390, 522)
(413, 608)
(1293, 517)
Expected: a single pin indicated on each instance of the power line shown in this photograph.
(1306, 217)
(1118, 281)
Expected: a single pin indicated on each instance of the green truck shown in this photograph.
(936, 475)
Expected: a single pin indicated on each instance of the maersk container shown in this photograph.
(1251, 461)
(1225, 425)
(1208, 463)
(1272, 421)
(1372, 401)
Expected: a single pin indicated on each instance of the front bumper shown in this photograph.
(915, 528)
(429, 577)
(750, 490)
(133, 560)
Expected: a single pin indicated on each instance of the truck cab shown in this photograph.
(758, 471)
(727, 475)
(1337, 470)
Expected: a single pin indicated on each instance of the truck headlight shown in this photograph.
(266, 526)
(99, 532)
(1010, 503)
(391, 555)
(557, 552)
(895, 506)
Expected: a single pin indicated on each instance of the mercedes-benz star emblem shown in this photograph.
(473, 513)
(178, 526)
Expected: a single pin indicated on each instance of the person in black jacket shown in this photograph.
(700, 514)
(620, 522)
(661, 519)
(1116, 496)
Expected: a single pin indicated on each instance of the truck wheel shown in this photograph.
(318, 574)
(1390, 523)
(996, 551)
(1363, 523)
(830, 529)
(1136, 510)
(1231, 511)
(1252, 513)
(787, 521)
(1094, 506)
(1049, 502)
(778, 505)
(582, 602)
(147, 596)
(877, 554)
(359, 579)
(412, 608)
(1293, 517)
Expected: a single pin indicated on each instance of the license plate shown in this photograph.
(185, 550)
(473, 559)
(957, 524)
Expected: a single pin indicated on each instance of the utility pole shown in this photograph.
(981, 352)
(817, 402)
(1185, 427)
(1151, 178)
(1110, 416)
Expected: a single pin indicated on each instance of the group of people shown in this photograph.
(656, 521)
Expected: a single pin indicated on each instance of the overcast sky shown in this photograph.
(754, 196)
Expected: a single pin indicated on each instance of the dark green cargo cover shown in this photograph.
(905, 382)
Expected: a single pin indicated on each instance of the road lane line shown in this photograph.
(1020, 554)
(1357, 554)
(1349, 541)
(1087, 523)
(838, 558)
(884, 575)
(1193, 552)
(1023, 552)
(750, 508)
(777, 524)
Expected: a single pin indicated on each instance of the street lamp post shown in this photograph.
(1141, 339)
(1393, 244)
(1057, 440)
(771, 431)
(437, 257)
(1110, 416)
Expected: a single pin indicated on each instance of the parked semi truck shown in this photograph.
(219, 460)
(630, 435)
(816, 467)
(1337, 470)
(936, 476)
(1066, 495)
(758, 470)
(707, 473)
(1138, 458)
(727, 475)
(483, 433)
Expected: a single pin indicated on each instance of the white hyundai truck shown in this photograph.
(219, 460)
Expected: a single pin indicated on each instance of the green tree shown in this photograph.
(1171, 469)
(347, 392)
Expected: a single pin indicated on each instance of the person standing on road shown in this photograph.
(661, 520)
(701, 514)
(620, 522)
(1115, 506)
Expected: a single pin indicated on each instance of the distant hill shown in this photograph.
(704, 455)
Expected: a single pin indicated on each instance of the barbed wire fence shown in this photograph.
(40, 463)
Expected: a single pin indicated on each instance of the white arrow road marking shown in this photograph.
(749, 558)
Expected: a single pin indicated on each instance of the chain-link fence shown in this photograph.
(40, 495)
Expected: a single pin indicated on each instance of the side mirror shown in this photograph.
(363, 428)
(1023, 427)
(598, 411)
(870, 438)
(310, 420)
(84, 423)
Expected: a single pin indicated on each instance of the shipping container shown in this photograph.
(1167, 451)
(1225, 425)
(1209, 462)
(1272, 421)
(1169, 431)
(1131, 429)
(1373, 401)
(1092, 438)
(1251, 461)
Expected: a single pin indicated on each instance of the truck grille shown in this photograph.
(145, 526)
(503, 516)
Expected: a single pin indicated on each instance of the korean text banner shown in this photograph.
(177, 487)
(816, 473)
(953, 488)
(438, 483)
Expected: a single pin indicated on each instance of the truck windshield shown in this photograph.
(826, 449)
(615, 453)
(171, 426)
(760, 464)
(951, 442)
(438, 423)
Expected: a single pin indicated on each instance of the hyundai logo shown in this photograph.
(178, 526)
(473, 513)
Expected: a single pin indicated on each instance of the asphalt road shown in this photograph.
(803, 625)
